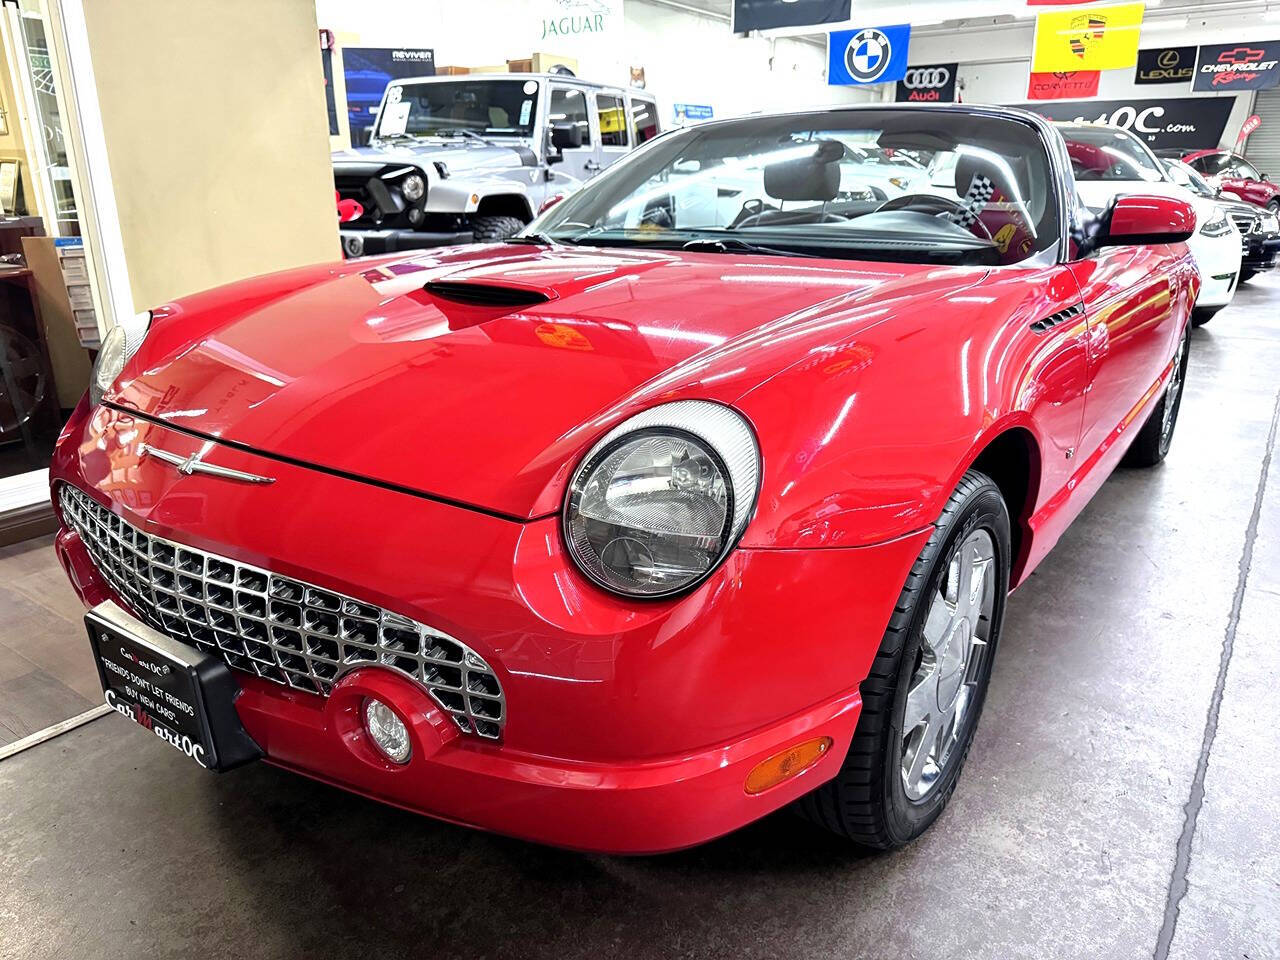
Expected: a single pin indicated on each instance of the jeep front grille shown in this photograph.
(278, 628)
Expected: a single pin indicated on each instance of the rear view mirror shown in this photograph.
(1145, 219)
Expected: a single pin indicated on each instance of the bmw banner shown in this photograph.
(930, 83)
(868, 55)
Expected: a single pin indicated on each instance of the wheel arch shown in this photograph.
(505, 205)
(1011, 457)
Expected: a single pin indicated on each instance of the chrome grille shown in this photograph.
(280, 629)
(1246, 223)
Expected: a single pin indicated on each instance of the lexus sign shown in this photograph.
(934, 83)
(1190, 122)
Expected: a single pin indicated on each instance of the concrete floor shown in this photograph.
(1119, 801)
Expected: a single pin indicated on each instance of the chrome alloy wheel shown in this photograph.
(944, 683)
(1169, 414)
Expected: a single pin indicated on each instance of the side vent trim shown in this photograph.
(484, 294)
(1062, 316)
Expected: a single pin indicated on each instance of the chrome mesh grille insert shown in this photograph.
(280, 629)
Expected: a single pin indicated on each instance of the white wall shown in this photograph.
(688, 58)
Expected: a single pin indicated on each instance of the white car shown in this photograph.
(1109, 161)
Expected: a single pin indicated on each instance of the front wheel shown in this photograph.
(1247, 274)
(1202, 315)
(924, 693)
(491, 229)
(1152, 443)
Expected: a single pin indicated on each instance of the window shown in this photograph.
(569, 105)
(644, 119)
(1241, 168)
(1104, 153)
(446, 108)
(1211, 164)
(613, 120)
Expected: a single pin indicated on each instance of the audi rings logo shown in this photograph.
(927, 78)
(868, 55)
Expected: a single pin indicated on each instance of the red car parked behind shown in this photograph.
(1235, 175)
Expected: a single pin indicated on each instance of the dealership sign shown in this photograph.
(1238, 66)
(1191, 122)
(932, 83)
(579, 20)
(869, 55)
(1165, 65)
(366, 72)
(1063, 86)
(770, 14)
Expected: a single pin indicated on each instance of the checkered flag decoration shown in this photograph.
(980, 192)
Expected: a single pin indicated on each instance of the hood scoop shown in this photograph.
(474, 294)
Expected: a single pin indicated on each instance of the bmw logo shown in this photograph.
(867, 56)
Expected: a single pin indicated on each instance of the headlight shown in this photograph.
(1271, 224)
(413, 187)
(121, 343)
(660, 501)
(1216, 225)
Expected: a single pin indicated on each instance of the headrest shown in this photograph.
(815, 177)
(970, 165)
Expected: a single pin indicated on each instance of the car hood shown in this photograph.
(481, 375)
(456, 156)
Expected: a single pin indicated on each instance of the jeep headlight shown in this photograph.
(1216, 225)
(660, 501)
(121, 343)
(413, 187)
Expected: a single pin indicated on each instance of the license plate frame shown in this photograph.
(184, 696)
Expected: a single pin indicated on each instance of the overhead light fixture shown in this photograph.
(1175, 23)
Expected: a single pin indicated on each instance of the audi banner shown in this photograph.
(771, 14)
(932, 83)
(1165, 65)
(1238, 66)
(1196, 123)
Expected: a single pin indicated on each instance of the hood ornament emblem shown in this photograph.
(193, 464)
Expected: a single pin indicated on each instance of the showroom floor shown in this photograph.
(1135, 689)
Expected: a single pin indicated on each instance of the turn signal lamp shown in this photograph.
(786, 764)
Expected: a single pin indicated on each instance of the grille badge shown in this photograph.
(193, 464)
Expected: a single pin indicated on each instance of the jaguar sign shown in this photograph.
(933, 83)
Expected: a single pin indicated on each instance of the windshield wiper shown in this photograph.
(734, 245)
(464, 132)
(538, 239)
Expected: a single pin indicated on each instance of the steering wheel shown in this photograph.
(933, 204)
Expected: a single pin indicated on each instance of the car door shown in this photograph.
(611, 122)
(1129, 298)
(568, 105)
(644, 119)
(1248, 182)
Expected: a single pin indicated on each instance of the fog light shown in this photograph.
(353, 246)
(786, 764)
(386, 730)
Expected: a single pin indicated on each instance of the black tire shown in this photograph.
(1247, 274)
(1153, 441)
(492, 229)
(1274, 205)
(1202, 315)
(867, 801)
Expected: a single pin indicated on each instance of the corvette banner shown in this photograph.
(1063, 86)
(1238, 66)
(1087, 38)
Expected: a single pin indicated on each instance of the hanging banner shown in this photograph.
(1097, 38)
(367, 71)
(1063, 86)
(869, 55)
(1165, 65)
(932, 83)
(1196, 123)
(770, 14)
(1238, 66)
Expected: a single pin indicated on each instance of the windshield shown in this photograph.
(452, 108)
(907, 185)
(1105, 153)
(1184, 176)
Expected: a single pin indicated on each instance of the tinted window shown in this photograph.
(644, 119)
(612, 115)
(1242, 168)
(1211, 164)
(569, 105)
(1105, 153)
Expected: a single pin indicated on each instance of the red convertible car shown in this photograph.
(701, 497)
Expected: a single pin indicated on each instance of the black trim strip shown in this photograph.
(1062, 316)
(330, 471)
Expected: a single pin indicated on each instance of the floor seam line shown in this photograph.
(1191, 809)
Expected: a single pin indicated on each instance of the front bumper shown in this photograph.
(360, 243)
(631, 727)
(1261, 253)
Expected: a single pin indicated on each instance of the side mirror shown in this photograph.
(1144, 219)
(566, 136)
